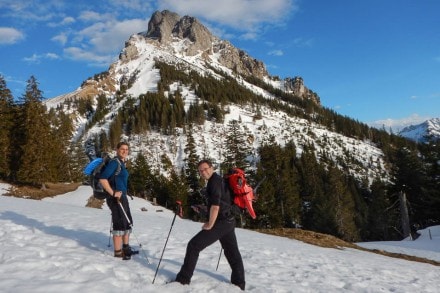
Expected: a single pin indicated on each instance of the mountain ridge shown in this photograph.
(423, 132)
(136, 73)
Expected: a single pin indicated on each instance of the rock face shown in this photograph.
(297, 87)
(166, 27)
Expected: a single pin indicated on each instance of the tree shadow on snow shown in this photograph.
(95, 241)
(91, 240)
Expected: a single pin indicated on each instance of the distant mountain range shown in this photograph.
(428, 130)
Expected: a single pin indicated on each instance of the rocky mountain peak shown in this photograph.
(428, 130)
(166, 26)
(186, 40)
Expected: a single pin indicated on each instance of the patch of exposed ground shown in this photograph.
(329, 241)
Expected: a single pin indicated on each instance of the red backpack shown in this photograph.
(243, 193)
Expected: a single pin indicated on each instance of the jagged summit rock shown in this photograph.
(166, 27)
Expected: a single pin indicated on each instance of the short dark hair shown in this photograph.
(205, 161)
(118, 146)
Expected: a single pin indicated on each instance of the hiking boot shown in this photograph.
(119, 253)
(128, 251)
(182, 280)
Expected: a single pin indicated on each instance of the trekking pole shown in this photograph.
(131, 226)
(178, 210)
(221, 250)
(111, 230)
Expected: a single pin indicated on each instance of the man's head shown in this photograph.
(205, 169)
(122, 149)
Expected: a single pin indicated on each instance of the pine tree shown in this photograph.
(266, 203)
(289, 180)
(237, 148)
(411, 179)
(191, 161)
(141, 177)
(36, 164)
(312, 192)
(341, 203)
(379, 213)
(6, 123)
(61, 132)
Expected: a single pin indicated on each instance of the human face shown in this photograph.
(122, 152)
(205, 171)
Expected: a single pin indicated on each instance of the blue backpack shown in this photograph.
(94, 170)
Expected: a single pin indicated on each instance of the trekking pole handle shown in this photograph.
(179, 210)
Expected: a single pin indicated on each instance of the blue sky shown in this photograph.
(376, 61)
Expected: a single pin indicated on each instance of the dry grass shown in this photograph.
(52, 189)
(329, 241)
(93, 202)
(32, 192)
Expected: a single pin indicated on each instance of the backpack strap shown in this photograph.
(225, 202)
(119, 168)
(111, 180)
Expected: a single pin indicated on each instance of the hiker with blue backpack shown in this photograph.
(114, 180)
(220, 226)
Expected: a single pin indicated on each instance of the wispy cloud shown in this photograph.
(9, 36)
(398, 124)
(79, 54)
(60, 38)
(303, 42)
(276, 53)
(247, 15)
(109, 36)
(36, 58)
(64, 21)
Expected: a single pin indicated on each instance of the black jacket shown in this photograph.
(218, 193)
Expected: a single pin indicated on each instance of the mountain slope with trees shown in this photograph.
(323, 171)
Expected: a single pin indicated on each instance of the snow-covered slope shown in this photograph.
(136, 71)
(58, 245)
(420, 132)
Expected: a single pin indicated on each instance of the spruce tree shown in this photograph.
(6, 123)
(36, 164)
(141, 177)
(341, 203)
(379, 213)
(237, 148)
(191, 161)
(312, 191)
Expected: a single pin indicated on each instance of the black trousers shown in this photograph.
(119, 220)
(224, 231)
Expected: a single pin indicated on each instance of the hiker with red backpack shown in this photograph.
(220, 226)
(114, 179)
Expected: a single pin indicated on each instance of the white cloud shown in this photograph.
(108, 37)
(68, 20)
(80, 54)
(60, 38)
(134, 5)
(90, 16)
(398, 124)
(301, 42)
(276, 53)
(244, 15)
(9, 35)
(36, 58)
